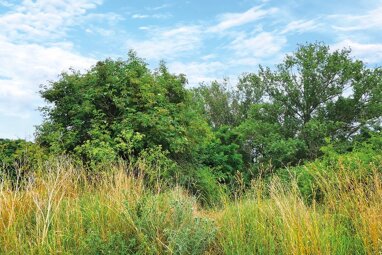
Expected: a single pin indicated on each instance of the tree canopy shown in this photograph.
(284, 115)
(120, 109)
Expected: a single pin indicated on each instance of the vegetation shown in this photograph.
(287, 114)
(63, 211)
(18, 157)
(130, 161)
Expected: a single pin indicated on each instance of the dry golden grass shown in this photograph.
(64, 211)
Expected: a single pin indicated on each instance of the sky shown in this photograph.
(205, 39)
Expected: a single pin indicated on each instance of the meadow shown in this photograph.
(64, 210)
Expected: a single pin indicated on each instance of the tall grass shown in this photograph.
(62, 210)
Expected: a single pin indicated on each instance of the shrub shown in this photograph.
(18, 158)
(169, 221)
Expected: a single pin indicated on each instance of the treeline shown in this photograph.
(212, 136)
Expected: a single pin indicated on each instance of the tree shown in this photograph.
(217, 103)
(250, 91)
(118, 109)
(314, 94)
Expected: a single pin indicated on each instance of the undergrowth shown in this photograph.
(62, 210)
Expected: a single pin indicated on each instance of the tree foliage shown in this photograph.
(118, 109)
(19, 157)
(279, 116)
(284, 115)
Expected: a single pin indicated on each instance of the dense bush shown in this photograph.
(19, 157)
(171, 215)
(119, 108)
(360, 164)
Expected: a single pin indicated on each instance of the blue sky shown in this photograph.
(206, 40)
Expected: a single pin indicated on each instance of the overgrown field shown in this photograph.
(286, 161)
(333, 208)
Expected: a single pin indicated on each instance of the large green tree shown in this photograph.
(284, 115)
(118, 109)
(314, 94)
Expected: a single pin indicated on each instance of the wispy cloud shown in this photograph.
(159, 7)
(140, 16)
(231, 20)
(110, 18)
(300, 26)
(43, 20)
(168, 44)
(241, 48)
(176, 41)
(352, 22)
(359, 31)
(262, 45)
(151, 16)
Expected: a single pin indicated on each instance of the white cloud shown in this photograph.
(230, 20)
(180, 41)
(167, 44)
(151, 16)
(144, 28)
(263, 45)
(100, 23)
(371, 19)
(155, 8)
(300, 26)
(370, 53)
(198, 72)
(110, 18)
(26, 66)
(33, 49)
(245, 49)
(43, 19)
(208, 57)
(140, 16)
(101, 31)
(6, 3)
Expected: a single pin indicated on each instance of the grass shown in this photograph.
(63, 211)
